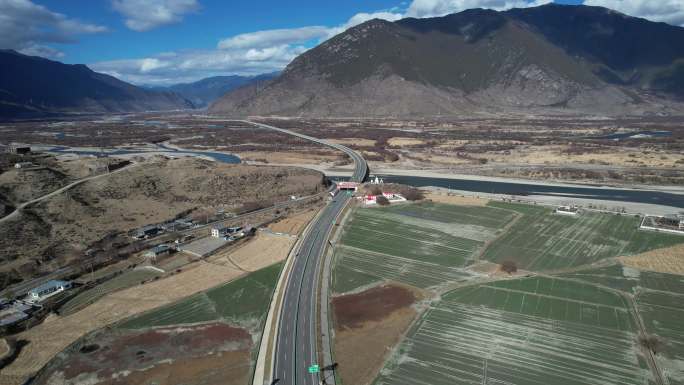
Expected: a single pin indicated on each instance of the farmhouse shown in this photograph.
(47, 290)
(157, 251)
(146, 231)
(567, 210)
(12, 312)
(673, 220)
(348, 186)
(372, 199)
(18, 149)
(20, 165)
(219, 232)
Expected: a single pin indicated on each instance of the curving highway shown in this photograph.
(297, 339)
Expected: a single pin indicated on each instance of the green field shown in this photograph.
(628, 279)
(551, 298)
(574, 327)
(243, 300)
(524, 331)
(541, 240)
(125, 280)
(423, 245)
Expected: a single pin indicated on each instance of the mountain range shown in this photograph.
(205, 91)
(554, 58)
(32, 86)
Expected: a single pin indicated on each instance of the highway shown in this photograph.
(297, 339)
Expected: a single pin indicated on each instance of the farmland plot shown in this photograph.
(660, 303)
(464, 344)
(629, 279)
(245, 299)
(423, 245)
(526, 331)
(663, 314)
(123, 281)
(357, 268)
(542, 240)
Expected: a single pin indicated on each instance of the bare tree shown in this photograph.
(509, 266)
(650, 342)
(382, 200)
(376, 190)
(412, 194)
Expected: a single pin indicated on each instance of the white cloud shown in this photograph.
(272, 37)
(362, 18)
(669, 11)
(244, 54)
(430, 8)
(27, 27)
(144, 15)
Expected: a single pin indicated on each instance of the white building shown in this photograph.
(23, 165)
(220, 232)
(567, 210)
(47, 290)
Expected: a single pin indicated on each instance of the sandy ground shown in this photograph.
(353, 142)
(293, 225)
(667, 260)
(443, 197)
(56, 333)
(550, 200)
(4, 348)
(367, 327)
(400, 141)
(264, 250)
(286, 157)
(628, 157)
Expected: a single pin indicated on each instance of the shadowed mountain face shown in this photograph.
(548, 58)
(34, 86)
(203, 92)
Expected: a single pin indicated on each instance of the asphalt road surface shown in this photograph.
(296, 344)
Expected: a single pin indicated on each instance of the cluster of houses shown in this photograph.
(371, 199)
(13, 311)
(228, 233)
(18, 149)
(156, 229)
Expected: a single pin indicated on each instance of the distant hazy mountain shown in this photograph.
(551, 58)
(204, 92)
(34, 86)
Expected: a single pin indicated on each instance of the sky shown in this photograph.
(162, 42)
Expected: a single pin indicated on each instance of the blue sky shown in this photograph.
(169, 41)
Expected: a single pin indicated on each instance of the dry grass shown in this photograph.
(400, 141)
(4, 348)
(286, 157)
(66, 225)
(361, 352)
(667, 260)
(56, 333)
(354, 142)
(441, 197)
(614, 156)
(264, 250)
(293, 225)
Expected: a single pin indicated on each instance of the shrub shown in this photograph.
(509, 267)
(412, 194)
(382, 201)
(650, 342)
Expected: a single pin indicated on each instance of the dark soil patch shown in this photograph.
(89, 348)
(110, 353)
(351, 311)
